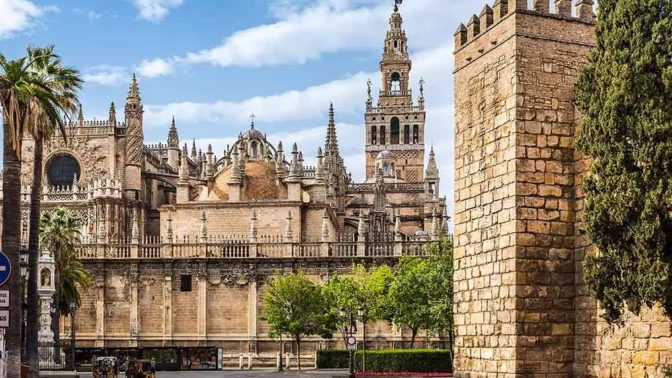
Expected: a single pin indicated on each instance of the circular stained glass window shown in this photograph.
(62, 170)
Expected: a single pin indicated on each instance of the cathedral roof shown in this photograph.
(260, 182)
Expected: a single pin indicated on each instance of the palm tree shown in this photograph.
(63, 82)
(18, 87)
(59, 233)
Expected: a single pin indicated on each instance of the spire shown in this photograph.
(294, 167)
(253, 227)
(133, 92)
(432, 170)
(280, 162)
(210, 166)
(331, 143)
(252, 117)
(193, 149)
(113, 115)
(80, 115)
(173, 137)
(421, 98)
(288, 228)
(235, 168)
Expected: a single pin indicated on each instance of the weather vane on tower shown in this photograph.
(397, 3)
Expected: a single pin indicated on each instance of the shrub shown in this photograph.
(405, 360)
(332, 359)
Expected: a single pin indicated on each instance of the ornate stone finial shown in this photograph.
(294, 167)
(444, 222)
(319, 169)
(288, 228)
(80, 115)
(169, 228)
(204, 228)
(135, 230)
(133, 92)
(435, 225)
(396, 5)
(113, 115)
(193, 149)
(253, 227)
(360, 226)
(235, 168)
(325, 226)
(173, 137)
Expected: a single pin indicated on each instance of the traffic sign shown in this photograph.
(4, 318)
(4, 298)
(5, 269)
(352, 343)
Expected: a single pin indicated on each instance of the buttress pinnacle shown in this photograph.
(133, 92)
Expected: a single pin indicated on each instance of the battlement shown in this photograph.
(502, 9)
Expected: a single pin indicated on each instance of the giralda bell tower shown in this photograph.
(396, 124)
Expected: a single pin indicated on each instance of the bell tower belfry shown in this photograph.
(395, 124)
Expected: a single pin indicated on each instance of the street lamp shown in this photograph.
(349, 330)
(73, 310)
(23, 270)
(360, 313)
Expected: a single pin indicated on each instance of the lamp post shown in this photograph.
(362, 317)
(73, 310)
(349, 330)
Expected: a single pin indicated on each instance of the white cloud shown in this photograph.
(106, 75)
(19, 15)
(93, 16)
(154, 68)
(155, 10)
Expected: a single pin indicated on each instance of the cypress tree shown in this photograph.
(625, 95)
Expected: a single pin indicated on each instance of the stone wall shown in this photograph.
(522, 308)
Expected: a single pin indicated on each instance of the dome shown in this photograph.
(253, 134)
(384, 155)
(260, 183)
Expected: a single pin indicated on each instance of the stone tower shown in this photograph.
(173, 146)
(517, 256)
(134, 142)
(395, 124)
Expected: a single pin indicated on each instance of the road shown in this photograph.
(242, 374)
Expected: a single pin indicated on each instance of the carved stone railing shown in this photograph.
(243, 247)
(389, 187)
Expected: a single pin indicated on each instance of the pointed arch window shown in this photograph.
(406, 134)
(416, 135)
(373, 135)
(395, 83)
(394, 130)
(255, 150)
(382, 134)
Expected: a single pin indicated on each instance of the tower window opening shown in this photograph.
(416, 135)
(255, 150)
(373, 134)
(382, 134)
(395, 83)
(406, 134)
(394, 131)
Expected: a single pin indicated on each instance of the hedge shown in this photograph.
(389, 360)
(332, 359)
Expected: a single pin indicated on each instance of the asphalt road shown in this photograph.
(242, 374)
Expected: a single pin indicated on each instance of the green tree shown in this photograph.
(294, 306)
(440, 283)
(625, 95)
(410, 295)
(63, 83)
(59, 233)
(21, 92)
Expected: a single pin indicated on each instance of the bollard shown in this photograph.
(249, 359)
(288, 356)
(277, 361)
(240, 361)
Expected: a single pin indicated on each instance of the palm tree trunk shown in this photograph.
(33, 253)
(11, 240)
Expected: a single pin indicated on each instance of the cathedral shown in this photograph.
(181, 242)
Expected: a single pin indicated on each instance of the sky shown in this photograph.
(213, 63)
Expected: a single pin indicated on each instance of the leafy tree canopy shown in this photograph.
(625, 94)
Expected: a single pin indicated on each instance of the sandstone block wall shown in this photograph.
(522, 308)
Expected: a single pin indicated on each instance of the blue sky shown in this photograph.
(211, 63)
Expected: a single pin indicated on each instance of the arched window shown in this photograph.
(395, 82)
(416, 135)
(406, 134)
(382, 134)
(63, 170)
(394, 130)
(373, 134)
(255, 150)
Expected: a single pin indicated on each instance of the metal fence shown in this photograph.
(56, 356)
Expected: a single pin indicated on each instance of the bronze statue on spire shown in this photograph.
(397, 3)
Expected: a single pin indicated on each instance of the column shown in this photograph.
(100, 308)
(202, 302)
(252, 310)
(133, 278)
(167, 304)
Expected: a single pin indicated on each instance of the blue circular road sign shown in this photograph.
(5, 269)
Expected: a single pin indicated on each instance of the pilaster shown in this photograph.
(133, 278)
(252, 309)
(100, 309)
(168, 302)
(202, 301)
